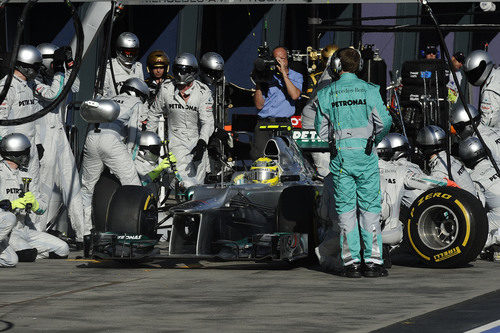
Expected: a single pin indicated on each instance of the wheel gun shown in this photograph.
(25, 189)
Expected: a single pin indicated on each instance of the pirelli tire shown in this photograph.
(296, 213)
(446, 227)
(133, 211)
(104, 190)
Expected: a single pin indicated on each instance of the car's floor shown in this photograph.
(186, 295)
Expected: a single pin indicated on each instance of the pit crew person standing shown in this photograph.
(58, 166)
(187, 104)
(276, 102)
(158, 64)
(114, 144)
(124, 66)
(352, 117)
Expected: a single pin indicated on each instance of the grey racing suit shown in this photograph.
(58, 168)
(20, 103)
(489, 183)
(491, 137)
(24, 235)
(401, 182)
(490, 99)
(188, 122)
(321, 160)
(122, 73)
(8, 257)
(113, 146)
(437, 165)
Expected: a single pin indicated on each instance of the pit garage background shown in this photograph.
(236, 31)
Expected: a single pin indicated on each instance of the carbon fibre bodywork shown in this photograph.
(233, 222)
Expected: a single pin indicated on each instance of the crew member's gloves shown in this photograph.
(40, 150)
(171, 158)
(58, 62)
(451, 183)
(18, 203)
(68, 57)
(5, 205)
(198, 150)
(164, 164)
(29, 198)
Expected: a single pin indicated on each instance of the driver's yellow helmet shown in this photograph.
(265, 171)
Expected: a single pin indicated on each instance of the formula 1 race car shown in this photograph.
(444, 227)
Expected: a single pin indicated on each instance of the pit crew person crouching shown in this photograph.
(352, 117)
(25, 240)
(146, 161)
(401, 183)
(187, 104)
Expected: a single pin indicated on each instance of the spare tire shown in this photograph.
(446, 227)
(133, 211)
(103, 192)
(296, 213)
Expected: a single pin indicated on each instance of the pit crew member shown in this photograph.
(114, 144)
(478, 68)
(20, 102)
(187, 104)
(431, 140)
(124, 66)
(157, 64)
(146, 160)
(58, 167)
(473, 155)
(401, 183)
(461, 125)
(25, 240)
(457, 61)
(352, 117)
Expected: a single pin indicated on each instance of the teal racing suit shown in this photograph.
(352, 112)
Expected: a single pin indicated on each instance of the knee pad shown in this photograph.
(27, 255)
(53, 255)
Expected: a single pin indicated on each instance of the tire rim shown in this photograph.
(438, 227)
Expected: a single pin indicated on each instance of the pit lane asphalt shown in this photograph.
(185, 295)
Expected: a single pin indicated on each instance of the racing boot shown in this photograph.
(352, 270)
(372, 270)
(491, 253)
(87, 244)
(53, 255)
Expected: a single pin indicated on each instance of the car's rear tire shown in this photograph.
(133, 211)
(296, 213)
(446, 227)
(103, 193)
